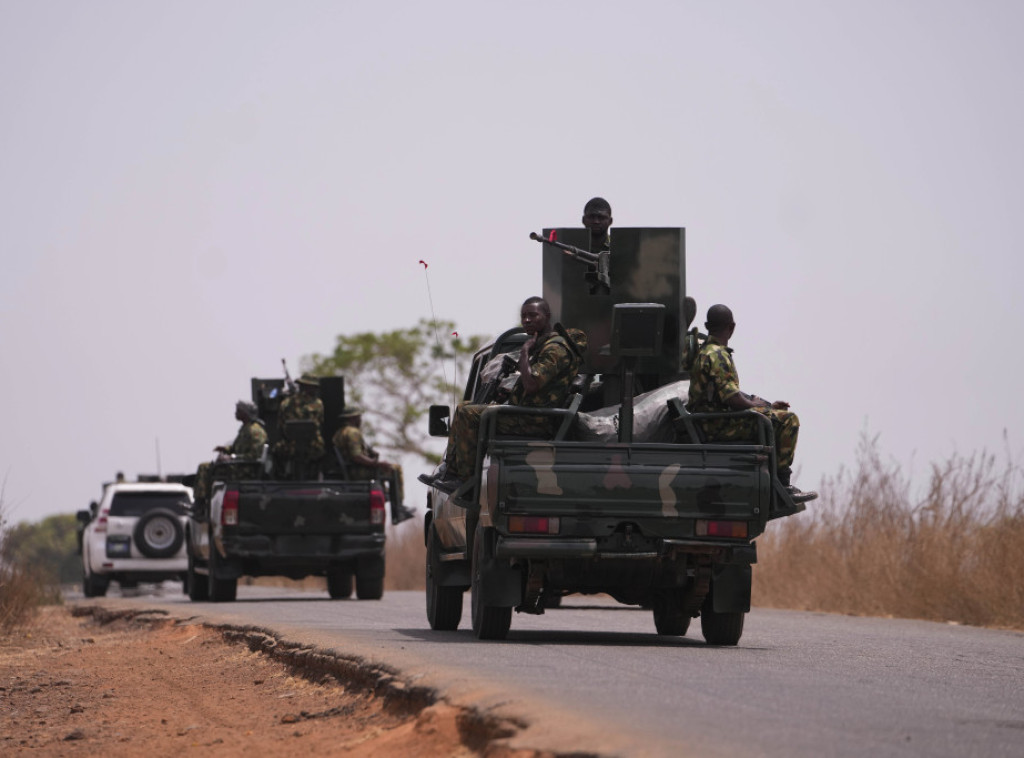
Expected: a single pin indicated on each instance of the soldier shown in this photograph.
(304, 405)
(363, 462)
(597, 217)
(251, 435)
(547, 366)
(248, 445)
(715, 387)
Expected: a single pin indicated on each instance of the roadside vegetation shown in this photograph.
(870, 546)
(28, 579)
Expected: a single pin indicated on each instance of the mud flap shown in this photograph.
(502, 584)
(730, 588)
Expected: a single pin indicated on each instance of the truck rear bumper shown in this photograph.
(299, 548)
(548, 548)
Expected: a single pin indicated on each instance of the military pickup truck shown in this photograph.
(624, 498)
(312, 521)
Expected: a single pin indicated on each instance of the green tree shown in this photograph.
(49, 548)
(395, 376)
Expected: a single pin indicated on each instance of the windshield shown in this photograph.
(138, 503)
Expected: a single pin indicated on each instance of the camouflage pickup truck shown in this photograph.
(624, 498)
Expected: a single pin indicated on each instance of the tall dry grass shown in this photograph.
(868, 546)
(22, 589)
(406, 557)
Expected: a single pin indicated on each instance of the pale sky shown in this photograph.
(191, 191)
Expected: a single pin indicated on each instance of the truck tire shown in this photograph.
(489, 622)
(370, 579)
(444, 604)
(720, 628)
(669, 617)
(221, 590)
(92, 585)
(158, 533)
(339, 583)
(196, 585)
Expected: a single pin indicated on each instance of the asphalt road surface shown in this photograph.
(593, 676)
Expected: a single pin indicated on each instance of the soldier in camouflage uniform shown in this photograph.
(715, 388)
(547, 366)
(248, 445)
(303, 405)
(362, 462)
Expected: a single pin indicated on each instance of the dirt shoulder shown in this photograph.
(128, 685)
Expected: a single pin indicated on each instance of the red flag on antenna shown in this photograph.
(424, 264)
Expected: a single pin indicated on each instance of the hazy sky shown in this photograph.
(191, 191)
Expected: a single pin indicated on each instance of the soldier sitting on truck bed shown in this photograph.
(248, 445)
(304, 405)
(715, 387)
(363, 462)
(547, 366)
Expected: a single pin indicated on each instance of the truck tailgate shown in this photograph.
(631, 480)
(322, 508)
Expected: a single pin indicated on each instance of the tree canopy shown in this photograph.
(395, 376)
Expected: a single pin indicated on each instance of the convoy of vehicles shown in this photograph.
(623, 497)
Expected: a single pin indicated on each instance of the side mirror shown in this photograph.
(438, 424)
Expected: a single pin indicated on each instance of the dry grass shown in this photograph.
(22, 590)
(868, 547)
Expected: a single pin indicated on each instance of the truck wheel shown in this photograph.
(196, 585)
(158, 534)
(339, 583)
(669, 618)
(444, 604)
(221, 590)
(489, 622)
(720, 628)
(370, 578)
(92, 585)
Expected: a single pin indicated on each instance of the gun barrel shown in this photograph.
(575, 252)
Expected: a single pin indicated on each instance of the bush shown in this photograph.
(867, 547)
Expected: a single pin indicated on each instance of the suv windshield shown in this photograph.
(138, 503)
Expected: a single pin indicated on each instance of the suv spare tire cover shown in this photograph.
(159, 534)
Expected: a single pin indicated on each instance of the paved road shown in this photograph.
(593, 676)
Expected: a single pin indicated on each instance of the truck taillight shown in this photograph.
(376, 507)
(735, 529)
(101, 522)
(533, 525)
(229, 508)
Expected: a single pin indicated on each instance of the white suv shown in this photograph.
(136, 534)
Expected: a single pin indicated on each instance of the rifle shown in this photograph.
(597, 263)
(287, 377)
(488, 393)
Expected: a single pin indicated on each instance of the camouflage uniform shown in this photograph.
(298, 407)
(713, 380)
(350, 442)
(248, 445)
(249, 441)
(554, 365)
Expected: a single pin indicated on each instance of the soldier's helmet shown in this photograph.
(248, 409)
(349, 411)
(308, 380)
